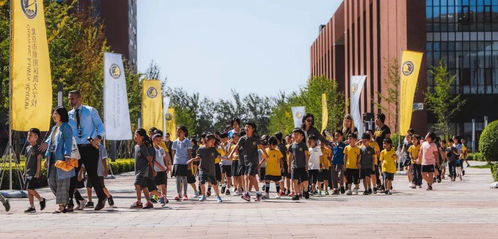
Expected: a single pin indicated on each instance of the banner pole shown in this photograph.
(9, 146)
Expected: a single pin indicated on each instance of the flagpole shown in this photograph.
(9, 145)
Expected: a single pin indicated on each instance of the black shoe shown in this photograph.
(365, 192)
(295, 197)
(70, 208)
(306, 195)
(343, 190)
(208, 194)
(89, 205)
(110, 200)
(43, 203)
(30, 210)
(223, 189)
(463, 172)
(100, 205)
(6, 204)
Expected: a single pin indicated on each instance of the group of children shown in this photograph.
(237, 161)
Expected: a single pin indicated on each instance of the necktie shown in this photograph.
(78, 122)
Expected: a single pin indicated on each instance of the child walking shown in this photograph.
(428, 157)
(32, 171)
(144, 156)
(273, 167)
(181, 149)
(314, 163)
(388, 158)
(298, 164)
(207, 155)
(414, 151)
(162, 165)
(367, 155)
(351, 160)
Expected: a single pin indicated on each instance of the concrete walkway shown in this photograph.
(467, 209)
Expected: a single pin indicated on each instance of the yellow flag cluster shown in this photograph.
(410, 68)
(30, 73)
(152, 105)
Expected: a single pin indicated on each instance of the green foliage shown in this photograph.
(494, 171)
(488, 142)
(391, 96)
(76, 46)
(440, 99)
(475, 157)
(309, 96)
(397, 139)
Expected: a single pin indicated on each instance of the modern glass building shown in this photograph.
(364, 36)
(464, 34)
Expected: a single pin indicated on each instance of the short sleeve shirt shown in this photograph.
(32, 153)
(380, 134)
(427, 150)
(248, 148)
(414, 150)
(388, 159)
(159, 158)
(338, 150)
(353, 154)
(207, 155)
(141, 154)
(299, 151)
(181, 150)
(314, 161)
(367, 157)
(273, 164)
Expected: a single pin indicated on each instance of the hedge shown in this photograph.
(494, 171)
(488, 142)
(120, 166)
(475, 157)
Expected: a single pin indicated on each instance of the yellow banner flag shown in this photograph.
(171, 123)
(325, 112)
(152, 105)
(410, 68)
(31, 81)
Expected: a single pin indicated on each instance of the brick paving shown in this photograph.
(467, 209)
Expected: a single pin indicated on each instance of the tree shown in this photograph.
(392, 92)
(309, 96)
(440, 100)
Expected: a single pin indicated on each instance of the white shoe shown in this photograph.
(355, 191)
(278, 196)
(82, 204)
(349, 192)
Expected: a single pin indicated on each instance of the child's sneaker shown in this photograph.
(110, 200)
(227, 192)
(343, 190)
(185, 197)
(266, 196)
(277, 196)
(223, 188)
(6, 204)
(196, 194)
(208, 193)
(89, 205)
(327, 193)
(202, 198)
(258, 197)
(306, 195)
(246, 197)
(218, 199)
(161, 200)
(148, 205)
(295, 197)
(365, 192)
(355, 191)
(30, 210)
(178, 198)
(43, 203)
(349, 192)
(282, 193)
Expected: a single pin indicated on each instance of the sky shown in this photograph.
(213, 46)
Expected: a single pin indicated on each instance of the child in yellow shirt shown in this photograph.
(388, 157)
(273, 172)
(413, 152)
(351, 156)
(325, 164)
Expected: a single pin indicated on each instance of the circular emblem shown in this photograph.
(299, 115)
(300, 149)
(354, 88)
(407, 68)
(168, 116)
(115, 71)
(30, 8)
(152, 92)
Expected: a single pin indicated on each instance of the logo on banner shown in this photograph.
(168, 116)
(115, 71)
(407, 68)
(354, 88)
(299, 115)
(30, 8)
(152, 92)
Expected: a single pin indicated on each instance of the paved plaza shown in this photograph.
(467, 209)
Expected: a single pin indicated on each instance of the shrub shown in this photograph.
(475, 157)
(494, 171)
(396, 138)
(488, 143)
